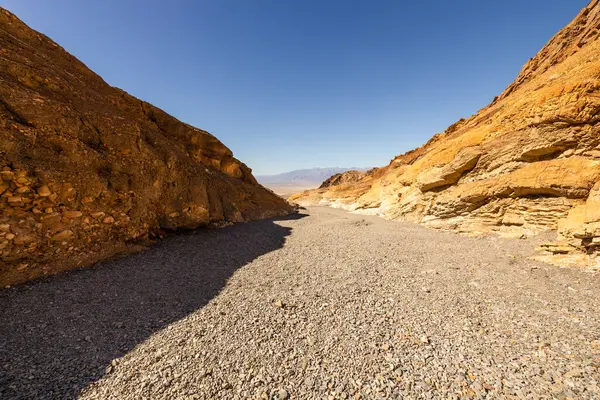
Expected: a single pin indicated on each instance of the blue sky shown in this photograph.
(289, 84)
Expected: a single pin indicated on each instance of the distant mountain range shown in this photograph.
(303, 177)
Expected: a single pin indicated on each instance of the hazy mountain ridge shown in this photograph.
(305, 176)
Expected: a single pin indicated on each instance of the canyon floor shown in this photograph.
(318, 305)
(286, 191)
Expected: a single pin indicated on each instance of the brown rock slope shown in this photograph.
(88, 170)
(343, 178)
(528, 162)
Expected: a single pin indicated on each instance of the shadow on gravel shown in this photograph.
(60, 334)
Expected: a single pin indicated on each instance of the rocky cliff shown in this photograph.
(343, 178)
(527, 163)
(88, 171)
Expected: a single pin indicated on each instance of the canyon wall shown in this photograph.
(88, 171)
(528, 162)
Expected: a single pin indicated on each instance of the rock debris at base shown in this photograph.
(322, 305)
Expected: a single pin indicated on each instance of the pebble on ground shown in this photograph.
(322, 305)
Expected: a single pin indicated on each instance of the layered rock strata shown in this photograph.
(526, 163)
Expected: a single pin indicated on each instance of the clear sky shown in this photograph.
(290, 84)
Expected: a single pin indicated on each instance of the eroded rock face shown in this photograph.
(87, 171)
(343, 178)
(528, 162)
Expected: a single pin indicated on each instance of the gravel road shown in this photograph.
(321, 305)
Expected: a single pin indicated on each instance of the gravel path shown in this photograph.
(326, 305)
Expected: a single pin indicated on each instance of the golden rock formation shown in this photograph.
(88, 171)
(526, 163)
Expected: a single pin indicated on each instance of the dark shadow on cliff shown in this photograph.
(58, 335)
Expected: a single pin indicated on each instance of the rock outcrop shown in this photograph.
(528, 162)
(88, 171)
(343, 177)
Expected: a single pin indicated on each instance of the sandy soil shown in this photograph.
(286, 191)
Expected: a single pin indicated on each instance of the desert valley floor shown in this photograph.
(321, 304)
